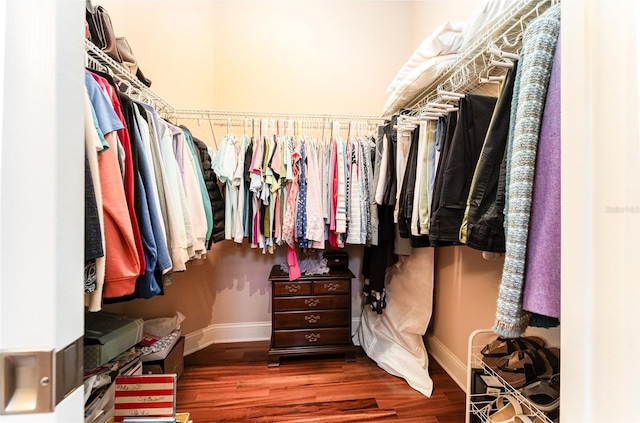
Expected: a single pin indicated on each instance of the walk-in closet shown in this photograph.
(318, 211)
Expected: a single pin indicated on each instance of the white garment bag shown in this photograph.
(393, 339)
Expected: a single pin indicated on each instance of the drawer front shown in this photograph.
(331, 287)
(311, 319)
(311, 303)
(291, 288)
(311, 337)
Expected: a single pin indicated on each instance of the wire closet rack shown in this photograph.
(99, 60)
(486, 60)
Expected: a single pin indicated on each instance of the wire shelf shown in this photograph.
(476, 64)
(477, 404)
(99, 60)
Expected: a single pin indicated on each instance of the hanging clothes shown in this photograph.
(542, 273)
(377, 258)
(406, 197)
(107, 83)
(224, 165)
(147, 173)
(427, 175)
(213, 192)
(368, 157)
(146, 285)
(354, 210)
(457, 171)
(122, 265)
(483, 222)
(315, 221)
(179, 223)
(238, 183)
(539, 42)
(301, 207)
(94, 262)
(199, 172)
(193, 200)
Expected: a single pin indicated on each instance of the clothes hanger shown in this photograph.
(502, 54)
(215, 142)
(449, 95)
(505, 63)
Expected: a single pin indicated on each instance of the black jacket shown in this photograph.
(215, 195)
(485, 216)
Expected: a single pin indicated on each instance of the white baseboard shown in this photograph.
(225, 333)
(235, 332)
(449, 361)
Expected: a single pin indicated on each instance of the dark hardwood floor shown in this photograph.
(232, 383)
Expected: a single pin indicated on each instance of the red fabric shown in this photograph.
(333, 237)
(292, 261)
(123, 135)
(121, 258)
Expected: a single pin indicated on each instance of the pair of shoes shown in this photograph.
(507, 408)
(527, 366)
(542, 395)
(501, 347)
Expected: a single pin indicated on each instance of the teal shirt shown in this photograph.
(208, 211)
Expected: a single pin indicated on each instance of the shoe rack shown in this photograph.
(484, 384)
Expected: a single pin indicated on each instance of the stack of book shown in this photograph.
(100, 386)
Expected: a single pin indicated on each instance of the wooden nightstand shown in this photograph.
(311, 315)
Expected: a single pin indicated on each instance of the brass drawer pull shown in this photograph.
(331, 287)
(292, 288)
(312, 302)
(311, 319)
(312, 337)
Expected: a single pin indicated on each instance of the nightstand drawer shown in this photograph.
(311, 303)
(311, 337)
(291, 288)
(331, 287)
(311, 319)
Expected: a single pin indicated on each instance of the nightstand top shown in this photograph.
(278, 275)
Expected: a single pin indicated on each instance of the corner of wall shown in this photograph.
(451, 364)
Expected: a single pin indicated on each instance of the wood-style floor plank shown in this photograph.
(232, 383)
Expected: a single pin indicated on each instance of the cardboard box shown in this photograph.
(172, 363)
(106, 335)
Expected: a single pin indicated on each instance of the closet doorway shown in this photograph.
(41, 203)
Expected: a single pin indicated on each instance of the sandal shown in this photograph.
(501, 347)
(551, 359)
(542, 396)
(507, 407)
(521, 368)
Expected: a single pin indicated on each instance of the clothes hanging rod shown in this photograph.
(223, 115)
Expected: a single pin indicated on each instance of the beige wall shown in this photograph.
(173, 43)
(334, 57)
(427, 15)
(466, 290)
